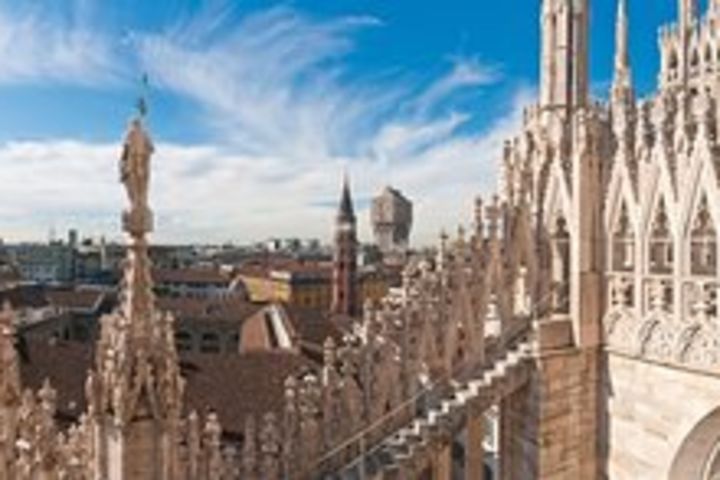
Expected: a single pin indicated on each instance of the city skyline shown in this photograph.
(274, 102)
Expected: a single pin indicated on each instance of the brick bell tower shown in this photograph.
(344, 286)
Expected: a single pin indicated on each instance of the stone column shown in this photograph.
(442, 468)
(506, 444)
(474, 447)
(518, 434)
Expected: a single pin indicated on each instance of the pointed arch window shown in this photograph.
(661, 245)
(703, 242)
(561, 266)
(708, 58)
(694, 59)
(623, 247)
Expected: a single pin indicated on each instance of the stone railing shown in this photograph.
(446, 416)
(438, 410)
(676, 323)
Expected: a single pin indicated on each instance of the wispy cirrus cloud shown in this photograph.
(210, 193)
(465, 73)
(272, 83)
(39, 48)
(277, 82)
(288, 112)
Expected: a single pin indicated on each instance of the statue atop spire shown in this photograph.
(135, 393)
(135, 171)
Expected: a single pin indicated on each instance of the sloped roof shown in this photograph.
(231, 309)
(24, 296)
(233, 385)
(75, 299)
(190, 275)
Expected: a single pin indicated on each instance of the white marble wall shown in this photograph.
(652, 409)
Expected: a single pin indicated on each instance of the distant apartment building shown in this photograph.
(391, 218)
(74, 314)
(308, 284)
(296, 247)
(59, 261)
(196, 282)
(30, 304)
(44, 263)
(208, 325)
(235, 325)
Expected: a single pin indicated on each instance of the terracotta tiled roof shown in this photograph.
(291, 267)
(231, 309)
(313, 326)
(189, 275)
(234, 385)
(75, 299)
(255, 335)
(239, 385)
(258, 333)
(24, 296)
(65, 364)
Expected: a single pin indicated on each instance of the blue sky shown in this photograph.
(257, 106)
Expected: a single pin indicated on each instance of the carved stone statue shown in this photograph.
(135, 175)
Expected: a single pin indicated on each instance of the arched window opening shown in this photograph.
(623, 247)
(703, 242)
(561, 266)
(673, 60)
(661, 245)
(695, 58)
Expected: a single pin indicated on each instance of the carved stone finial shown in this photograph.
(494, 212)
(479, 221)
(212, 433)
(329, 353)
(9, 368)
(269, 438)
(249, 455)
(461, 234)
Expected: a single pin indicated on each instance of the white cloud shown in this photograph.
(466, 73)
(273, 83)
(37, 48)
(209, 193)
(287, 114)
